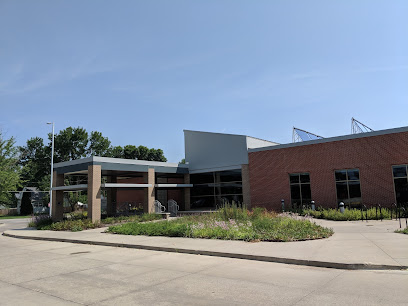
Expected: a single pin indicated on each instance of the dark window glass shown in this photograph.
(198, 202)
(341, 175)
(231, 188)
(222, 199)
(306, 193)
(228, 176)
(295, 193)
(294, 178)
(348, 186)
(401, 190)
(354, 189)
(304, 178)
(342, 192)
(353, 175)
(399, 171)
(202, 178)
(300, 189)
(201, 190)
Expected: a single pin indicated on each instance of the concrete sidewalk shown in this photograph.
(355, 245)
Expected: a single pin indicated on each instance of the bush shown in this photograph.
(78, 222)
(348, 215)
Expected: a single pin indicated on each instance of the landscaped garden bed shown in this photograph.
(348, 215)
(79, 222)
(231, 223)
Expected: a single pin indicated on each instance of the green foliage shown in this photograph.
(70, 143)
(404, 231)
(98, 145)
(348, 215)
(116, 152)
(230, 222)
(130, 152)
(9, 169)
(183, 161)
(35, 159)
(78, 221)
(73, 143)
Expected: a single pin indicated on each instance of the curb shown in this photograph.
(290, 261)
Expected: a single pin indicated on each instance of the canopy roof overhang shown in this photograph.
(119, 185)
(112, 165)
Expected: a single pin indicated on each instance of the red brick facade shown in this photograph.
(373, 156)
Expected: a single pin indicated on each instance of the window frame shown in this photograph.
(393, 178)
(347, 180)
(299, 183)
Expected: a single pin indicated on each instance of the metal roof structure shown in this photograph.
(358, 127)
(300, 135)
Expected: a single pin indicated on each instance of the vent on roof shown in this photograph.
(299, 135)
(358, 127)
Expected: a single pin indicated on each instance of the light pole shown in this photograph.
(52, 165)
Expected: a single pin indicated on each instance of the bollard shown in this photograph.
(341, 207)
(313, 205)
(283, 205)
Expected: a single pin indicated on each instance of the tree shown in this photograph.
(130, 152)
(143, 153)
(35, 161)
(183, 161)
(156, 155)
(116, 152)
(70, 144)
(98, 145)
(9, 169)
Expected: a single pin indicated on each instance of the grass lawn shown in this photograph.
(348, 215)
(14, 217)
(231, 223)
(79, 222)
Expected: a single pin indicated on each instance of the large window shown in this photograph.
(215, 188)
(348, 187)
(300, 192)
(400, 176)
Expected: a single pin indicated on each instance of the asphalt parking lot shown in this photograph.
(57, 273)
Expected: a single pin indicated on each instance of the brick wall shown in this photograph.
(373, 156)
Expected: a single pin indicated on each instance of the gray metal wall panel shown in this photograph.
(213, 150)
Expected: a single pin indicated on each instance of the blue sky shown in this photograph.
(142, 71)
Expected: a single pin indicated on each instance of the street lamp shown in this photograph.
(52, 166)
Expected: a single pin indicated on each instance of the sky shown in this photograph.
(141, 72)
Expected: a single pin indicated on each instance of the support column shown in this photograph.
(57, 209)
(187, 204)
(246, 191)
(94, 192)
(148, 205)
(111, 199)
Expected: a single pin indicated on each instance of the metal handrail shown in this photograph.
(158, 207)
(173, 207)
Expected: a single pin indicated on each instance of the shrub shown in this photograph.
(404, 231)
(78, 222)
(348, 215)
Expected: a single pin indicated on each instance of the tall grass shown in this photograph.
(230, 222)
(349, 214)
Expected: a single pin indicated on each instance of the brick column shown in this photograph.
(187, 204)
(57, 209)
(94, 192)
(148, 205)
(111, 199)
(246, 191)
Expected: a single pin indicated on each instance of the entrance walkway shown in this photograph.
(355, 245)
